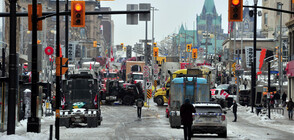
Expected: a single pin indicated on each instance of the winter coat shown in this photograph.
(235, 108)
(186, 113)
(284, 97)
(290, 106)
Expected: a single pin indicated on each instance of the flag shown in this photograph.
(224, 94)
(111, 55)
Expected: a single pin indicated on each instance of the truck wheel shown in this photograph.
(127, 100)
(159, 101)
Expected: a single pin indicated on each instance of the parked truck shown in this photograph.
(191, 87)
(81, 100)
(126, 94)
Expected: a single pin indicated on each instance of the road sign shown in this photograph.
(155, 77)
(148, 85)
(238, 67)
(155, 66)
(146, 74)
(149, 93)
(201, 50)
(155, 71)
(146, 68)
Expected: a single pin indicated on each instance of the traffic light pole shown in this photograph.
(146, 60)
(66, 37)
(13, 70)
(58, 77)
(253, 67)
(34, 121)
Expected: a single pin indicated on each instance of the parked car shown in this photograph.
(209, 118)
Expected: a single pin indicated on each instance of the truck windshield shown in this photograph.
(206, 109)
(138, 77)
(110, 75)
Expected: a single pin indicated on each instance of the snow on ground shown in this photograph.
(277, 121)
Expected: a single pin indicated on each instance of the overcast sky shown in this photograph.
(170, 15)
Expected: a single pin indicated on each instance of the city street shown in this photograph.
(121, 123)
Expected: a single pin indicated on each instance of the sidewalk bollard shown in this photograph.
(50, 133)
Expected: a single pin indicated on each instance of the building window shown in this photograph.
(265, 18)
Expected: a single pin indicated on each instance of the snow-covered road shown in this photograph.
(121, 123)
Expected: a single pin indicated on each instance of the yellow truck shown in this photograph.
(161, 95)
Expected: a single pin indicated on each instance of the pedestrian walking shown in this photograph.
(245, 83)
(284, 97)
(277, 97)
(290, 106)
(186, 117)
(235, 110)
(139, 105)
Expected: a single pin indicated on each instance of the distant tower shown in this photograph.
(209, 21)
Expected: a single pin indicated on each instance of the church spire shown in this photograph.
(209, 7)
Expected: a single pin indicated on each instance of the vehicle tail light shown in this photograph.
(135, 82)
(223, 117)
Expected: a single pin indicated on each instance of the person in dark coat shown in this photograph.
(139, 104)
(235, 110)
(284, 97)
(290, 106)
(186, 117)
(277, 98)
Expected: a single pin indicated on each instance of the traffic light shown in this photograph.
(39, 14)
(277, 52)
(188, 47)
(235, 10)
(94, 44)
(60, 65)
(155, 52)
(219, 58)
(155, 44)
(194, 53)
(78, 13)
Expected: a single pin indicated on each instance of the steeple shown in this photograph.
(209, 7)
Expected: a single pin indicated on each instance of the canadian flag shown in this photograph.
(111, 55)
(63, 103)
(224, 94)
(107, 63)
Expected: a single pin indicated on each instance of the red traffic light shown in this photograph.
(235, 2)
(78, 7)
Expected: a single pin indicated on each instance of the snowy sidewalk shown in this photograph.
(277, 121)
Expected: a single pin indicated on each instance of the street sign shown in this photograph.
(148, 85)
(155, 71)
(146, 68)
(238, 67)
(146, 74)
(155, 66)
(155, 77)
(201, 50)
(144, 6)
(132, 19)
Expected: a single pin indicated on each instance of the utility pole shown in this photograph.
(13, 70)
(253, 67)
(66, 37)
(146, 59)
(206, 48)
(58, 77)
(280, 53)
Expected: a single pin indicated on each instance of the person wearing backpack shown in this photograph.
(139, 105)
